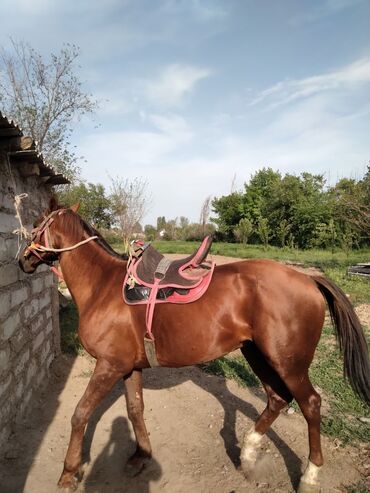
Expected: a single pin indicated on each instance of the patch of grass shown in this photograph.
(68, 321)
(360, 487)
(232, 368)
(357, 287)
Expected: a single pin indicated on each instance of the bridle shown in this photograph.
(36, 248)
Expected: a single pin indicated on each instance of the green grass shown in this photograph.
(232, 368)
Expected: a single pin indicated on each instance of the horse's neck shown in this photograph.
(85, 270)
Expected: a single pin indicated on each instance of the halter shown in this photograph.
(43, 229)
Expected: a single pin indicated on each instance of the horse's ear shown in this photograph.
(53, 204)
(75, 207)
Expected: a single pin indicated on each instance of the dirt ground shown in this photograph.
(196, 423)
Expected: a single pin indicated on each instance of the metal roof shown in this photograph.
(18, 156)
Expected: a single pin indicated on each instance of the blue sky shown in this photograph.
(197, 95)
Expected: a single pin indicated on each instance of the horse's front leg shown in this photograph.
(101, 382)
(135, 411)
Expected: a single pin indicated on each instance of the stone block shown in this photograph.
(31, 371)
(4, 358)
(45, 352)
(4, 387)
(21, 362)
(8, 274)
(5, 434)
(37, 285)
(37, 323)
(19, 339)
(45, 299)
(18, 296)
(3, 251)
(4, 303)
(10, 326)
(19, 389)
(11, 247)
(49, 280)
(40, 338)
(30, 309)
(8, 222)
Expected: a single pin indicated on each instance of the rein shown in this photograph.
(35, 247)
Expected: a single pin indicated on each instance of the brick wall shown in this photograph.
(29, 325)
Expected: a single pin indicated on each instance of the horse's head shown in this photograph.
(44, 237)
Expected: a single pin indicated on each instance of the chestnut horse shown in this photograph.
(273, 313)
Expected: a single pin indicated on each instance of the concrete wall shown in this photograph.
(29, 310)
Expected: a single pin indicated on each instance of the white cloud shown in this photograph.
(287, 91)
(173, 84)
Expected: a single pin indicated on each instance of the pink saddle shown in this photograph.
(151, 278)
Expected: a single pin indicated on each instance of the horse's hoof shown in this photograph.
(308, 488)
(248, 469)
(67, 484)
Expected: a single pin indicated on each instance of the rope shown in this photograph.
(21, 231)
(42, 248)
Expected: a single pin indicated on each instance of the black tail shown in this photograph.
(350, 336)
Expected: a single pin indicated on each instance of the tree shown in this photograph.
(95, 206)
(129, 200)
(45, 98)
(244, 230)
(283, 232)
(229, 210)
(263, 230)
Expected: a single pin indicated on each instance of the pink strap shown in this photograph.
(150, 308)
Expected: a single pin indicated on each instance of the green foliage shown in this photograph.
(282, 233)
(301, 210)
(244, 230)
(229, 210)
(263, 230)
(235, 368)
(94, 205)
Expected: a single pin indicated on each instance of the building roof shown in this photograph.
(22, 150)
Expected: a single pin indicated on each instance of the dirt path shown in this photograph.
(196, 422)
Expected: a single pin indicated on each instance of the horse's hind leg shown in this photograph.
(135, 410)
(101, 382)
(309, 402)
(278, 396)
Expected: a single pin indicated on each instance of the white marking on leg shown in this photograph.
(251, 442)
(311, 474)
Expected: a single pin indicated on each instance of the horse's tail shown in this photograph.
(350, 336)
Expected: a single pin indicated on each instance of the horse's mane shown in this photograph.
(74, 222)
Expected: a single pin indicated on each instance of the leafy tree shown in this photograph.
(258, 193)
(45, 98)
(229, 210)
(283, 232)
(326, 235)
(263, 230)
(244, 230)
(94, 204)
(150, 232)
(161, 223)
